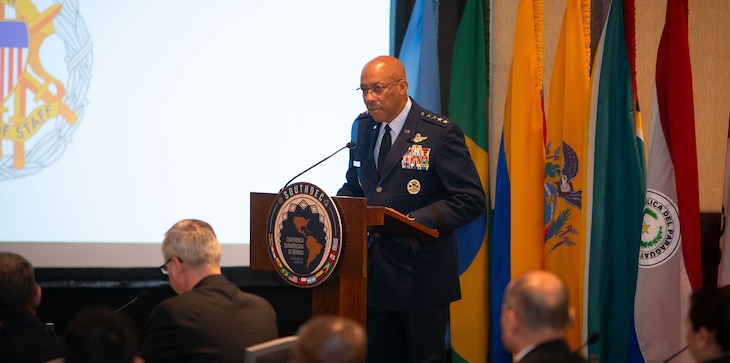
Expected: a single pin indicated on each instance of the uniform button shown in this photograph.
(379, 189)
(376, 235)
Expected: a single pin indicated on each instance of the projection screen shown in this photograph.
(121, 118)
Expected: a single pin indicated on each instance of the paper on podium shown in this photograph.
(388, 220)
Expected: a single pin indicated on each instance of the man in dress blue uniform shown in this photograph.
(427, 174)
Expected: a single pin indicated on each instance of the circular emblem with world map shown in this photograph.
(304, 235)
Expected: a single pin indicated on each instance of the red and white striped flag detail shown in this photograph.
(13, 54)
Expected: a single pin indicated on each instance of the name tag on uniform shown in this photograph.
(356, 163)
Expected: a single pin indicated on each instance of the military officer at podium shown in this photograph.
(415, 161)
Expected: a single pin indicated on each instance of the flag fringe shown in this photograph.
(538, 11)
(586, 16)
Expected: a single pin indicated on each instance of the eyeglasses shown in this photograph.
(163, 268)
(377, 89)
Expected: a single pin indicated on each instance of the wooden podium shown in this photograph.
(345, 291)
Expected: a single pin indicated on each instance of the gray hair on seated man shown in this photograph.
(211, 319)
(194, 242)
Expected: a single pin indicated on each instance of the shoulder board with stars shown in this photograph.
(434, 118)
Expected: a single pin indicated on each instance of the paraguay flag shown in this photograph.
(669, 259)
(723, 271)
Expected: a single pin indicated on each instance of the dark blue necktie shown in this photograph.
(384, 147)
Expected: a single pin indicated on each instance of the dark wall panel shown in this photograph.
(68, 291)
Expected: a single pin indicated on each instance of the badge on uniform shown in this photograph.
(418, 138)
(413, 186)
(416, 158)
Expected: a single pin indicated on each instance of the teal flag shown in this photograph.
(615, 186)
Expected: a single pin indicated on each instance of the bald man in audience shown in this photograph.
(330, 339)
(535, 315)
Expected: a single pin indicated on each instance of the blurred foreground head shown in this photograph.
(330, 339)
(98, 335)
(708, 325)
(535, 309)
(19, 293)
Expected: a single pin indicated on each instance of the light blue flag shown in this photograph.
(419, 54)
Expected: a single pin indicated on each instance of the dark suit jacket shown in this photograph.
(554, 351)
(214, 322)
(722, 358)
(442, 192)
(25, 339)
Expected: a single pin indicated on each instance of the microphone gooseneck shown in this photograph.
(349, 145)
(591, 339)
(675, 354)
(140, 295)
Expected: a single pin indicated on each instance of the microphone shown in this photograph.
(349, 145)
(675, 354)
(591, 339)
(140, 295)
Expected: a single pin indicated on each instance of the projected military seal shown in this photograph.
(304, 235)
(40, 109)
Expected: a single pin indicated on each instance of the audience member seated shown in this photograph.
(98, 335)
(211, 319)
(535, 316)
(708, 325)
(330, 339)
(23, 336)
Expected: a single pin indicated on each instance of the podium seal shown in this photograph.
(304, 235)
